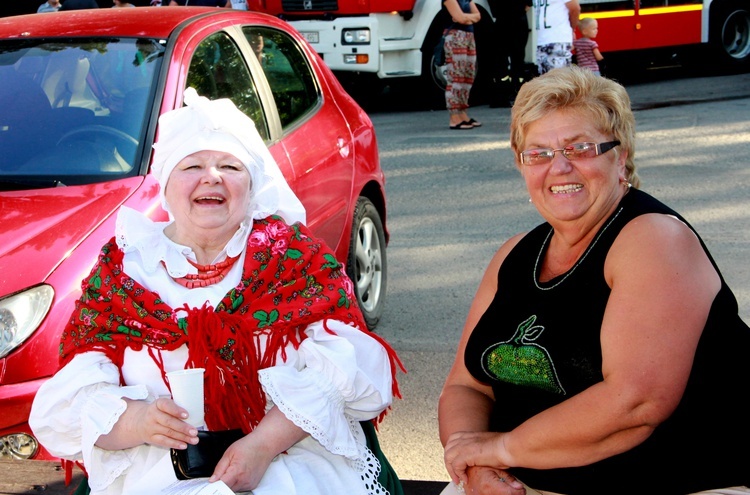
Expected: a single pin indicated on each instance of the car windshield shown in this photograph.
(74, 111)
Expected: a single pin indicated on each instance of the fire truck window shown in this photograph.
(607, 5)
(645, 4)
(288, 72)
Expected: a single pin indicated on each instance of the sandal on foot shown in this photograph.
(474, 123)
(462, 125)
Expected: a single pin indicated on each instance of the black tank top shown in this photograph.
(538, 344)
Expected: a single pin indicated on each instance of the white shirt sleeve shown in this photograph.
(331, 382)
(78, 404)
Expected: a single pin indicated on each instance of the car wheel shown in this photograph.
(366, 264)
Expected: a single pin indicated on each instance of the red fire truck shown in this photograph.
(367, 42)
(721, 25)
(378, 40)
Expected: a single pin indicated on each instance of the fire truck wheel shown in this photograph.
(730, 32)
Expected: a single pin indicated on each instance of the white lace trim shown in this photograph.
(362, 461)
(315, 431)
(136, 232)
(367, 465)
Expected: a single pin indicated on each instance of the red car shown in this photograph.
(80, 95)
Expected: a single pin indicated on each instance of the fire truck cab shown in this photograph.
(372, 40)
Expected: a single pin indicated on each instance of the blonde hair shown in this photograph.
(585, 22)
(605, 102)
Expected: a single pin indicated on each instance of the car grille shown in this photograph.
(309, 5)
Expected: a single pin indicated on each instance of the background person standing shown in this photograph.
(461, 61)
(555, 22)
(510, 33)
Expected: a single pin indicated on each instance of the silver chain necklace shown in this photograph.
(580, 260)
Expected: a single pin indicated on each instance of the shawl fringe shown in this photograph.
(290, 279)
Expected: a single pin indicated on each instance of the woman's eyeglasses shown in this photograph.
(575, 151)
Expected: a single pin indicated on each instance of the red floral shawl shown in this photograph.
(289, 280)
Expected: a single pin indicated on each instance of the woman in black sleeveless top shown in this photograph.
(603, 352)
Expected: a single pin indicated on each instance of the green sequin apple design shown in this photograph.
(522, 362)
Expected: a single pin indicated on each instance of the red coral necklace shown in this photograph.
(207, 274)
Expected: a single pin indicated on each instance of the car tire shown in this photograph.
(366, 264)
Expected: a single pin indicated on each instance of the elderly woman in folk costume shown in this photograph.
(236, 284)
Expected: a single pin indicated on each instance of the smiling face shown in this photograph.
(208, 194)
(582, 191)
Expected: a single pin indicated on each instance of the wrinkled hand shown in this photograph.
(465, 449)
(484, 480)
(243, 464)
(161, 423)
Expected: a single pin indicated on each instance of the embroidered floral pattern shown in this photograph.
(289, 279)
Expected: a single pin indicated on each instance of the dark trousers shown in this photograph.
(509, 37)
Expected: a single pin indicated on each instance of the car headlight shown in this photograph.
(21, 314)
(18, 446)
(355, 37)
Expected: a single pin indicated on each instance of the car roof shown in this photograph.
(144, 22)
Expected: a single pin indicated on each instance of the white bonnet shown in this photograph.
(219, 126)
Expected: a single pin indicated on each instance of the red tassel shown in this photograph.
(233, 393)
(68, 468)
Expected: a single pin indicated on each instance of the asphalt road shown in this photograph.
(455, 196)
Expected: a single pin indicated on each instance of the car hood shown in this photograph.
(39, 228)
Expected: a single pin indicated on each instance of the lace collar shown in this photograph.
(136, 232)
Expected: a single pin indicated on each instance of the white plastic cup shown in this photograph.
(187, 392)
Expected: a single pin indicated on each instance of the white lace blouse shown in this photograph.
(326, 386)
